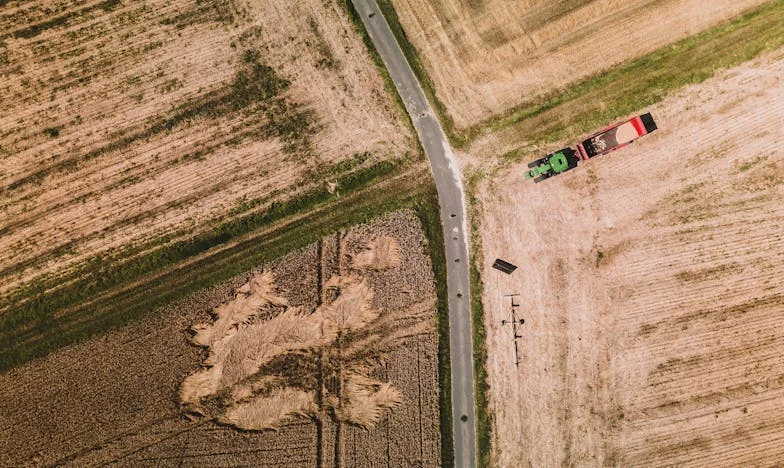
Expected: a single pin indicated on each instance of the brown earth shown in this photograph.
(115, 399)
(484, 58)
(651, 285)
(129, 124)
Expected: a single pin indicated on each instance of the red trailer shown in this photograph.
(615, 136)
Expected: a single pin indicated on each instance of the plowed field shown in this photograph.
(650, 282)
(115, 399)
(485, 58)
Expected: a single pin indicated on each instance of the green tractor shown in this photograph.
(552, 164)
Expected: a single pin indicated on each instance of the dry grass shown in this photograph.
(242, 351)
(240, 345)
(251, 298)
(130, 127)
(352, 310)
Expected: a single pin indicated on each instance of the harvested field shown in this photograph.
(651, 288)
(486, 58)
(130, 125)
(117, 398)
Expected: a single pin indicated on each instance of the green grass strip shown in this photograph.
(95, 303)
(647, 80)
(481, 386)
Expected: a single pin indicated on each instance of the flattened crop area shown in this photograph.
(650, 282)
(116, 399)
(485, 58)
(129, 125)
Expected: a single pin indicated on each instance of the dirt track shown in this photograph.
(486, 57)
(651, 287)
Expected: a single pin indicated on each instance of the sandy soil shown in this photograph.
(486, 57)
(114, 131)
(650, 283)
(115, 399)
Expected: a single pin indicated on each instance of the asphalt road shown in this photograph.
(453, 218)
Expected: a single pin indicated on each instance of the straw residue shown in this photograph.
(382, 253)
(241, 344)
(365, 401)
(270, 412)
(252, 297)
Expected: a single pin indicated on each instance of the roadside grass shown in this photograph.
(455, 138)
(642, 82)
(481, 387)
(359, 27)
(38, 321)
(428, 211)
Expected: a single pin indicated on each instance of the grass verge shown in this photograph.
(428, 212)
(455, 138)
(382, 69)
(481, 386)
(643, 81)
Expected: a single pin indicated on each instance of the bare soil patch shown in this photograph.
(127, 125)
(484, 58)
(118, 398)
(650, 282)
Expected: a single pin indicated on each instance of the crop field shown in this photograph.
(362, 392)
(650, 283)
(487, 58)
(129, 129)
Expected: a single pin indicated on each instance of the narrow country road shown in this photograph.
(453, 219)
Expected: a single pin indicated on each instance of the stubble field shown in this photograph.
(650, 282)
(486, 58)
(127, 125)
(119, 398)
(172, 142)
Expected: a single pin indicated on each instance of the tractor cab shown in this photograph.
(552, 164)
